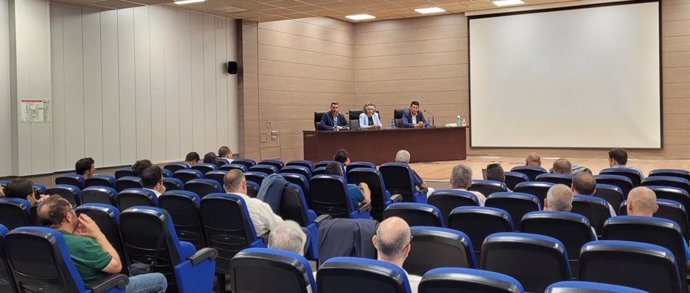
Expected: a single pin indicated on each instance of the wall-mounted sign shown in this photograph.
(35, 111)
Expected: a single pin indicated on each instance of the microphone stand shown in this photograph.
(432, 118)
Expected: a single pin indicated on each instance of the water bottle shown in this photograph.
(393, 123)
(457, 121)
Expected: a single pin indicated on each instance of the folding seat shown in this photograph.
(321, 170)
(621, 181)
(515, 203)
(451, 279)
(149, 235)
(245, 162)
(294, 207)
(228, 167)
(166, 173)
(555, 178)
(595, 209)
(638, 265)
(398, 178)
(434, 247)
(69, 192)
(329, 196)
(415, 214)
(188, 174)
(40, 188)
(531, 171)
(685, 174)
(487, 187)
(667, 181)
(268, 169)
(610, 193)
(204, 167)
(256, 177)
(216, 175)
(535, 260)
(304, 163)
(514, 178)
(536, 188)
(107, 217)
(224, 161)
(3, 183)
(479, 222)
(173, 167)
(124, 172)
(136, 197)
(352, 274)
(592, 287)
(70, 179)
(295, 169)
(15, 212)
(99, 194)
(380, 197)
(360, 164)
(323, 163)
(40, 261)
(275, 163)
(100, 180)
(128, 182)
(252, 188)
(183, 207)
(672, 193)
(6, 280)
(630, 173)
(172, 183)
(287, 271)
(301, 181)
(202, 186)
(448, 199)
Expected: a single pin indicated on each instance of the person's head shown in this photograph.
(19, 188)
(584, 184)
(225, 152)
(211, 158)
(152, 178)
(335, 107)
(642, 202)
(234, 182)
(559, 198)
(562, 166)
(461, 177)
(402, 156)
(139, 167)
(342, 156)
(192, 158)
(86, 167)
(333, 168)
(618, 157)
(495, 172)
(533, 159)
(369, 108)
(392, 240)
(414, 107)
(56, 212)
(288, 236)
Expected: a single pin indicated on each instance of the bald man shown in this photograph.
(533, 159)
(392, 242)
(559, 198)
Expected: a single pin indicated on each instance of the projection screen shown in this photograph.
(575, 78)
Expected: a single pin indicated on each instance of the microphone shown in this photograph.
(432, 118)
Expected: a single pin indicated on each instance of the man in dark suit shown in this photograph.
(333, 120)
(412, 118)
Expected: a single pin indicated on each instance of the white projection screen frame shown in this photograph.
(585, 77)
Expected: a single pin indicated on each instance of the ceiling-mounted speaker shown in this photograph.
(232, 67)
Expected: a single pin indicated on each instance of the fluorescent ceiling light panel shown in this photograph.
(508, 2)
(429, 10)
(357, 17)
(182, 2)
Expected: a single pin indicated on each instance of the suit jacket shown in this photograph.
(346, 237)
(407, 119)
(327, 122)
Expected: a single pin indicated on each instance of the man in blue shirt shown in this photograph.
(359, 193)
(412, 118)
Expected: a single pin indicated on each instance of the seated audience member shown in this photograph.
(152, 179)
(192, 159)
(461, 179)
(2, 191)
(533, 159)
(262, 215)
(224, 152)
(85, 167)
(211, 158)
(333, 120)
(585, 184)
(403, 156)
(342, 156)
(559, 198)
(369, 119)
(393, 243)
(619, 158)
(288, 236)
(495, 172)
(23, 188)
(642, 203)
(412, 118)
(359, 193)
(90, 250)
(562, 166)
(139, 167)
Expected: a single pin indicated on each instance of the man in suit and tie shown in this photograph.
(333, 120)
(412, 118)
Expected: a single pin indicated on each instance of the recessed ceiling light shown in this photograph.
(429, 10)
(508, 2)
(182, 2)
(357, 17)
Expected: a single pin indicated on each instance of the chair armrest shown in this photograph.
(322, 218)
(396, 197)
(202, 255)
(109, 282)
(364, 208)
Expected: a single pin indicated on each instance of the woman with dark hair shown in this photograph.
(211, 158)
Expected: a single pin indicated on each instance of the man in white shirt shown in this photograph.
(152, 179)
(461, 179)
(262, 215)
(392, 242)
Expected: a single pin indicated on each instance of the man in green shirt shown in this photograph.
(89, 249)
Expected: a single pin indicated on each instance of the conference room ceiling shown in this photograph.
(270, 10)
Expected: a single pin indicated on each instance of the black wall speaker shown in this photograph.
(232, 67)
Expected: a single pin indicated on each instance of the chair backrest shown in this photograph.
(535, 260)
(610, 193)
(6, 279)
(323, 164)
(415, 214)
(621, 181)
(107, 217)
(228, 167)
(434, 247)
(126, 182)
(205, 167)
(293, 205)
(595, 209)
(531, 171)
(669, 181)
(360, 164)
(685, 174)
(536, 188)
(304, 163)
(136, 197)
(166, 173)
(480, 222)
(15, 212)
(252, 189)
(256, 177)
(183, 207)
(188, 174)
(591, 287)
(555, 178)
(296, 169)
(100, 180)
(397, 117)
(124, 172)
(448, 199)
(672, 193)
(487, 187)
(513, 178)
(380, 197)
(172, 183)
(301, 181)
(203, 186)
(515, 203)
(216, 175)
(273, 162)
(398, 180)
(289, 272)
(317, 119)
(246, 162)
(353, 116)
(630, 173)
(329, 196)
(639, 265)
(70, 179)
(264, 168)
(351, 274)
(319, 171)
(68, 192)
(468, 280)
(573, 230)
(668, 209)
(173, 167)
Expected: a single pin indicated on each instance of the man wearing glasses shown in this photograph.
(392, 242)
